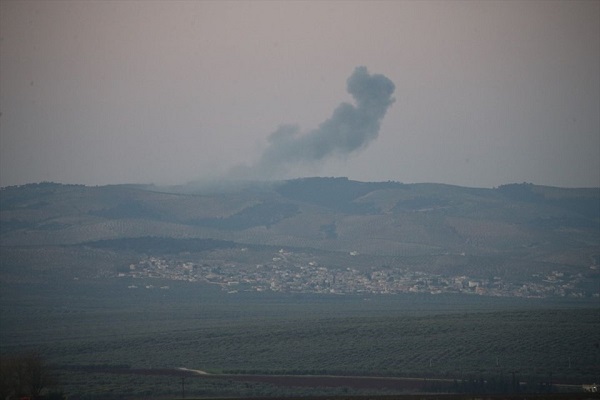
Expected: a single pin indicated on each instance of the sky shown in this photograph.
(470, 93)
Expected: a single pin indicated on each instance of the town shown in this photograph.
(284, 273)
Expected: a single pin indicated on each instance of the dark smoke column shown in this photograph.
(350, 128)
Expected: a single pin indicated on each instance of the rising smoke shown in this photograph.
(350, 129)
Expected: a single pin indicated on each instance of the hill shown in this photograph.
(513, 231)
(308, 276)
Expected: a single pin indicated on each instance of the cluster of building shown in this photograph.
(284, 274)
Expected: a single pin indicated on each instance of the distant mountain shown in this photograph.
(520, 224)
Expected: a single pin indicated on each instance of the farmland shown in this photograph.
(200, 327)
(478, 288)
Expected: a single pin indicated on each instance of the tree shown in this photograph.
(6, 377)
(36, 374)
(23, 375)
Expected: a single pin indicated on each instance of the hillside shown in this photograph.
(507, 231)
(299, 277)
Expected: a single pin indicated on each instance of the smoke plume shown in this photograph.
(350, 129)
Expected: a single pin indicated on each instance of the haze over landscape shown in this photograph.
(487, 93)
(299, 199)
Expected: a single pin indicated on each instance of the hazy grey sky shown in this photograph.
(486, 92)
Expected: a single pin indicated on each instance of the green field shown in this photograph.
(101, 323)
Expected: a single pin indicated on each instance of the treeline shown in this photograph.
(160, 245)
